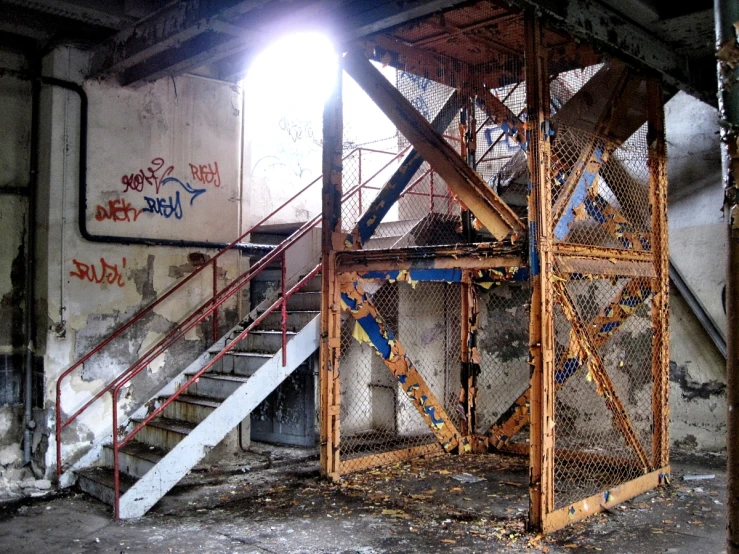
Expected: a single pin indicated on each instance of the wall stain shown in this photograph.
(692, 389)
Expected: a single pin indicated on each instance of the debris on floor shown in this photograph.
(417, 506)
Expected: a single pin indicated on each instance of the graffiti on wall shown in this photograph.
(101, 273)
(158, 199)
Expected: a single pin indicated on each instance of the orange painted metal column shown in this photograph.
(330, 300)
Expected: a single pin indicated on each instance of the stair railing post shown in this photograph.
(215, 293)
(116, 472)
(283, 319)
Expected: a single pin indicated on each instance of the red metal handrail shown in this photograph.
(168, 340)
(201, 313)
(118, 444)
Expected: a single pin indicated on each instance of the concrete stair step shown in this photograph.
(296, 320)
(381, 243)
(244, 364)
(304, 301)
(266, 342)
(190, 408)
(164, 433)
(99, 483)
(135, 459)
(216, 386)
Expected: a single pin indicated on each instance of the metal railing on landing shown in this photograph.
(208, 308)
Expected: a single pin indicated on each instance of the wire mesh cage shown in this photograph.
(464, 72)
(376, 414)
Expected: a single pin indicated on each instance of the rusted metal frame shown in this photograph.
(503, 268)
(616, 225)
(330, 340)
(606, 500)
(483, 277)
(584, 176)
(493, 213)
(482, 255)
(392, 457)
(601, 328)
(363, 309)
(442, 68)
(457, 31)
(601, 252)
(541, 315)
(603, 383)
(657, 163)
(580, 267)
(392, 190)
(469, 355)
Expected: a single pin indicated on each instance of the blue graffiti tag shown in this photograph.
(166, 207)
(187, 186)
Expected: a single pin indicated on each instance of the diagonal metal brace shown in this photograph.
(359, 303)
(601, 328)
(488, 207)
(603, 382)
(392, 190)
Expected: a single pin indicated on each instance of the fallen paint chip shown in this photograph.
(468, 478)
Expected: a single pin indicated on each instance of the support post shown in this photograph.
(330, 299)
(726, 14)
(657, 163)
(541, 324)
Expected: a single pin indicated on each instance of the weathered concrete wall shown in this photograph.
(15, 147)
(138, 138)
(697, 383)
(697, 229)
(698, 250)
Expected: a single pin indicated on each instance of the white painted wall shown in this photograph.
(188, 120)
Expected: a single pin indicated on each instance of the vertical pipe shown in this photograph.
(30, 270)
(215, 293)
(330, 300)
(726, 14)
(283, 308)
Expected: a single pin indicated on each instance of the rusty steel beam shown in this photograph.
(330, 343)
(163, 30)
(388, 347)
(487, 206)
(657, 164)
(394, 187)
(541, 314)
(482, 255)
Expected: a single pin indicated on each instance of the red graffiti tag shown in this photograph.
(108, 273)
(151, 176)
(117, 210)
(206, 173)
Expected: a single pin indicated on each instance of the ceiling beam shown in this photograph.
(167, 29)
(603, 27)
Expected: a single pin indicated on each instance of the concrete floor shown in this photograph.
(410, 507)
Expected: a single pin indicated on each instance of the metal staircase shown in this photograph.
(196, 416)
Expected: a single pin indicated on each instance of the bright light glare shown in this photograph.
(297, 72)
